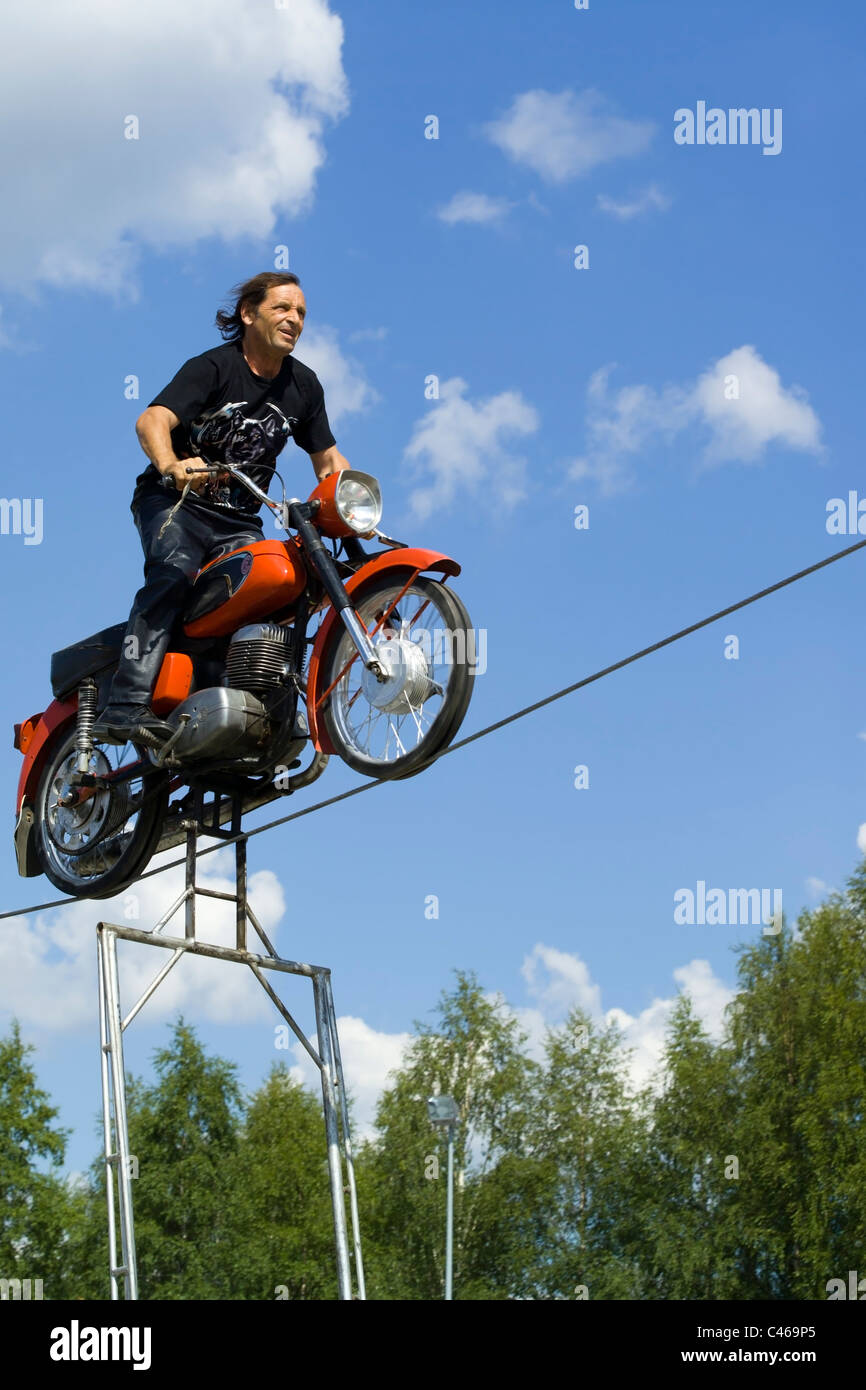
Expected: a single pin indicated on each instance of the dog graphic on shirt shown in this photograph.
(239, 439)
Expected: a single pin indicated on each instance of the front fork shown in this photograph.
(299, 513)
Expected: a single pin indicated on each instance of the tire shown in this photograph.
(74, 872)
(368, 601)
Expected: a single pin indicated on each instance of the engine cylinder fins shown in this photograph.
(258, 657)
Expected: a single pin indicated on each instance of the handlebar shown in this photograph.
(230, 468)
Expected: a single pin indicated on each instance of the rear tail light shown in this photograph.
(24, 732)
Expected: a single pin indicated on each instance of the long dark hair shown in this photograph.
(229, 322)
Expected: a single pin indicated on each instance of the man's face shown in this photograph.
(277, 323)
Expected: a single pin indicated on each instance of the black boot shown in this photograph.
(131, 724)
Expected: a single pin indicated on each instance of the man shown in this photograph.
(238, 402)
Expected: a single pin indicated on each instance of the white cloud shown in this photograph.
(739, 403)
(861, 838)
(368, 1059)
(232, 99)
(816, 888)
(473, 207)
(764, 412)
(651, 199)
(568, 984)
(563, 135)
(48, 962)
(347, 390)
(461, 444)
(709, 995)
(369, 335)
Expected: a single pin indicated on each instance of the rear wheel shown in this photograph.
(97, 847)
(396, 728)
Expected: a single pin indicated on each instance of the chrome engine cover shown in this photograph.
(222, 721)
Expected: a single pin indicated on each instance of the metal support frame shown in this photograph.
(113, 1024)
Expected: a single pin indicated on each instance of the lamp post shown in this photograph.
(444, 1114)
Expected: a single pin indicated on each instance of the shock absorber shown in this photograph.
(84, 724)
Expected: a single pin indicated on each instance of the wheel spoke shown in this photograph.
(414, 716)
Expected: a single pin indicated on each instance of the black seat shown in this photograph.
(86, 658)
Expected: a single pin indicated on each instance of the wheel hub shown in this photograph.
(73, 829)
(406, 677)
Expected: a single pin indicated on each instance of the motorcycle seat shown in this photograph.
(71, 665)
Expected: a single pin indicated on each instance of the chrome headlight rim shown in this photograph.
(371, 484)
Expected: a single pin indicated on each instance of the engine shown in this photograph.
(238, 721)
(258, 658)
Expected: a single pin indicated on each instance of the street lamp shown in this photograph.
(444, 1114)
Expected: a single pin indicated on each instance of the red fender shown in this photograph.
(58, 714)
(410, 558)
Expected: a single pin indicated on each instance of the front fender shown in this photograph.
(58, 714)
(412, 559)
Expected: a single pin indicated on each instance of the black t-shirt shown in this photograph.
(226, 412)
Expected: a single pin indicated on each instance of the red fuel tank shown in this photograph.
(245, 585)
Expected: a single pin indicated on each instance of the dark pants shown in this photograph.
(192, 538)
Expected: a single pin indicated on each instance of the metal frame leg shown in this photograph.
(332, 1133)
(117, 1157)
(111, 1028)
(107, 1144)
(347, 1141)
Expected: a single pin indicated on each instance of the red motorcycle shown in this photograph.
(385, 685)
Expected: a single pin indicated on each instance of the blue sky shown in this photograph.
(559, 386)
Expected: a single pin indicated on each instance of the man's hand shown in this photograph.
(328, 461)
(176, 469)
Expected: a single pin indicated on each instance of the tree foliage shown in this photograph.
(739, 1173)
(40, 1212)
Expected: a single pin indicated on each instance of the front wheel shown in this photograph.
(96, 848)
(425, 645)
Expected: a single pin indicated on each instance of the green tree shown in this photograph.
(474, 1054)
(39, 1209)
(799, 1028)
(285, 1230)
(755, 1182)
(586, 1137)
(684, 1186)
(184, 1134)
(741, 1173)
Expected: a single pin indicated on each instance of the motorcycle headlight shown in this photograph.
(359, 501)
